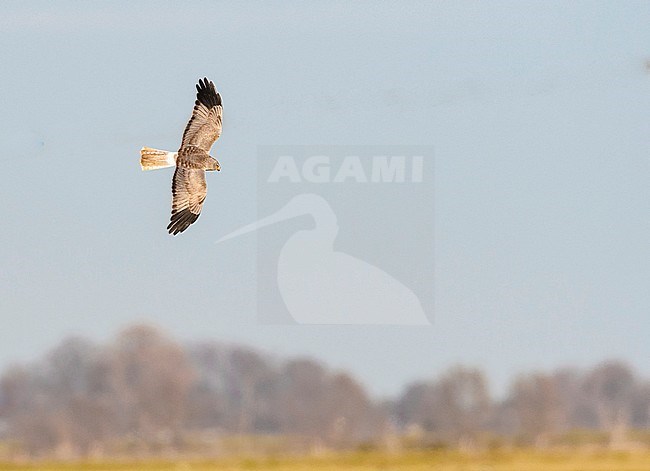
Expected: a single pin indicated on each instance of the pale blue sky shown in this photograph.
(539, 113)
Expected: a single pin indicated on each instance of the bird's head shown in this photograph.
(214, 165)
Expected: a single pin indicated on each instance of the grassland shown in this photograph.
(417, 461)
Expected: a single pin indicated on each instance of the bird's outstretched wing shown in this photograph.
(188, 193)
(204, 127)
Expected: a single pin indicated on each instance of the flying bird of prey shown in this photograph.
(192, 159)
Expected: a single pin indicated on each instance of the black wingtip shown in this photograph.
(206, 94)
(181, 221)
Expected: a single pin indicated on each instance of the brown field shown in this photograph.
(415, 461)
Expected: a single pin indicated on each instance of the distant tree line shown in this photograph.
(144, 393)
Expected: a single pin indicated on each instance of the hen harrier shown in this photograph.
(192, 159)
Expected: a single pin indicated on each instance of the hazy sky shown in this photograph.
(539, 114)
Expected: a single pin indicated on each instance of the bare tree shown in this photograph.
(609, 391)
(537, 405)
(417, 406)
(151, 378)
(464, 404)
(144, 390)
(303, 386)
(640, 406)
(208, 405)
(352, 416)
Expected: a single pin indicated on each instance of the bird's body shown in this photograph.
(192, 159)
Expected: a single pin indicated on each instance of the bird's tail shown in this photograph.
(151, 159)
